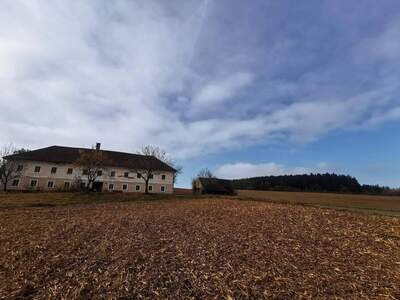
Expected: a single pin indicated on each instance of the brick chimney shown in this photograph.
(98, 146)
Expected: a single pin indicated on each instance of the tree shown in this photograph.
(178, 169)
(8, 168)
(93, 162)
(147, 170)
(206, 173)
(22, 150)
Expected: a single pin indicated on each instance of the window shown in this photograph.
(138, 187)
(124, 187)
(19, 168)
(150, 176)
(50, 184)
(33, 183)
(162, 188)
(83, 185)
(126, 174)
(85, 172)
(66, 185)
(150, 187)
(99, 172)
(15, 182)
(111, 186)
(139, 175)
(112, 174)
(69, 171)
(162, 177)
(53, 170)
(37, 169)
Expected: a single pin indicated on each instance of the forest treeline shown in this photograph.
(333, 183)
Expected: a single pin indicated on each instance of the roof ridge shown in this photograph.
(58, 154)
(105, 150)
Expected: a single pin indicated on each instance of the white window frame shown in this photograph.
(51, 170)
(150, 188)
(136, 188)
(30, 183)
(12, 183)
(72, 171)
(52, 185)
(34, 170)
(163, 177)
(111, 184)
(126, 185)
(163, 187)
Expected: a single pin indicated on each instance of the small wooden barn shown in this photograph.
(203, 185)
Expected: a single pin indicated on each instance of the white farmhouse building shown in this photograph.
(56, 168)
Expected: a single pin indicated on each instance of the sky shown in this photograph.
(245, 88)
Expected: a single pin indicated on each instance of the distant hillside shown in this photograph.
(308, 183)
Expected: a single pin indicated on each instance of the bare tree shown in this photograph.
(179, 170)
(147, 170)
(93, 162)
(205, 173)
(8, 168)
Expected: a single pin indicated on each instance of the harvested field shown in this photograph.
(181, 191)
(201, 248)
(387, 205)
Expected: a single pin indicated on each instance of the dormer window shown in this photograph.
(126, 174)
(20, 168)
(37, 169)
(163, 177)
(112, 174)
(69, 171)
(53, 170)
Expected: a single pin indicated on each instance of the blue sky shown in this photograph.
(242, 87)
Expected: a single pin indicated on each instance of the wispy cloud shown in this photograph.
(222, 90)
(194, 77)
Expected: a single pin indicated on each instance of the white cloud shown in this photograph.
(245, 170)
(129, 73)
(222, 90)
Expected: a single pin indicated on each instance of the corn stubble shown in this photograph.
(206, 248)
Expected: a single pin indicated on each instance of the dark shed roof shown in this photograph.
(60, 154)
(216, 186)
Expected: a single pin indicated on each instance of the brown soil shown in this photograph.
(201, 248)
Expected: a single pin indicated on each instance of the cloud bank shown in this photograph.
(195, 77)
(246, 170)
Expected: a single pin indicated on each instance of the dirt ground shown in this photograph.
(203, 248)
(387, 205)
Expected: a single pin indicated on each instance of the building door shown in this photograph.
(97, 186)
